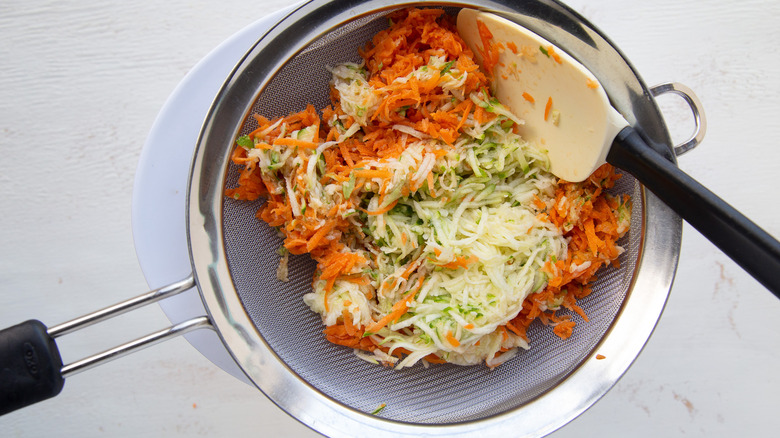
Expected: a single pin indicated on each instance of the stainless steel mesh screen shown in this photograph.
(440, 393)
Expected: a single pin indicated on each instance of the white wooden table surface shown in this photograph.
(82, 81)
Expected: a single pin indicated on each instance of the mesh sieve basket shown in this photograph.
(278, 341)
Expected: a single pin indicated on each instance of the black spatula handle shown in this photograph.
(30, 366)
(738, 237)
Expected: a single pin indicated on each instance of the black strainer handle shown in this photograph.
(738, 237)
(31, 368)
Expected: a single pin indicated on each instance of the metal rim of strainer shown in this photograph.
(651, 282)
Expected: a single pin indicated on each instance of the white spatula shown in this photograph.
(567, 113)
(549, 90)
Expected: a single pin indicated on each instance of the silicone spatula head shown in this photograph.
(565, 109)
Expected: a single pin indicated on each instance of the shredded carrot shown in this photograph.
(551, 51)
(591, 243)
(547, 108)
(592, 84)
(452, 339)
(564, 329)
(594, 243)
(429, 180)
(372, 173)
(361, 280)
(461, 262)
(539, 203)
(382, 210)
(399, 308)
(294, 142)
(409, 269)
(432, 358)
(319, 235)
(469, 105)
(515, 330)
(339, 335)
(325, 301)
(348, 324)
(528, 97)
(490, 52)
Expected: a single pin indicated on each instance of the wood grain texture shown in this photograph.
(82, 81)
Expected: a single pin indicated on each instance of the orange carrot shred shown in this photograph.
(489, 51)
(294, 142)
(452, 339)
(382, 210)
(554, 54)
(373, 173)
(399, 309)
(547, 108)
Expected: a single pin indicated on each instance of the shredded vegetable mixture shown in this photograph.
(438, 231)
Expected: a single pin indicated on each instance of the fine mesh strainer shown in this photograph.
(414, 395)
(277, 341)
(283, 350)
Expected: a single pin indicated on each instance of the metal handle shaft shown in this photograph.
(123, 307)
(119, 309)
(132, 346)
